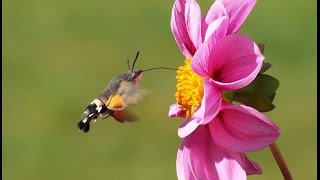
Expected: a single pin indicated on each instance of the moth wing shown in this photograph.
(123, 116)
(131, 93)
(116, 102)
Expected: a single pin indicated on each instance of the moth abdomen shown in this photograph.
(95, 109)
(84, 126)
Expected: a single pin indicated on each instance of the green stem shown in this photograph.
(280, 161)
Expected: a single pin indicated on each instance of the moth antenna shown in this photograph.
(134, 62)
(128, 63)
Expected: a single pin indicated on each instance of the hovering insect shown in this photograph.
(122, 91)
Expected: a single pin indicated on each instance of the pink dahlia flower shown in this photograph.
(216, 133)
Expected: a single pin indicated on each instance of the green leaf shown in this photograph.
(228, 95)
(265, 67)
(254, 100)
(261, 47)
(264, 84)
(271, 97)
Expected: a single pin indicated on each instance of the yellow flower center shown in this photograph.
(189, 88)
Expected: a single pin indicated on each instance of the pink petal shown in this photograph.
(242, 129)
(248, 165)
(200, 63)
(200, 158)
(182, 166)
(210, 107)
(217, 30)
(188, 126)
(216, 13)
(193, 22)
(176, 111)
(235, 61)
(237, 12)
(179, 29)
(211, 102)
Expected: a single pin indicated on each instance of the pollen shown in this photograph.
(189, 88)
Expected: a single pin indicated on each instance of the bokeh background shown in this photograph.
(58, 55)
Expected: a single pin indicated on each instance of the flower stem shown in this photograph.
(280, 161)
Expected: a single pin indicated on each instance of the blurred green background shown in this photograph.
(58, 55)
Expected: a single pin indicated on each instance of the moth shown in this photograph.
(122, 91)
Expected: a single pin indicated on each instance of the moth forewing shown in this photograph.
(131, 93)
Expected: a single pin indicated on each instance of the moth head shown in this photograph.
(135, 76)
